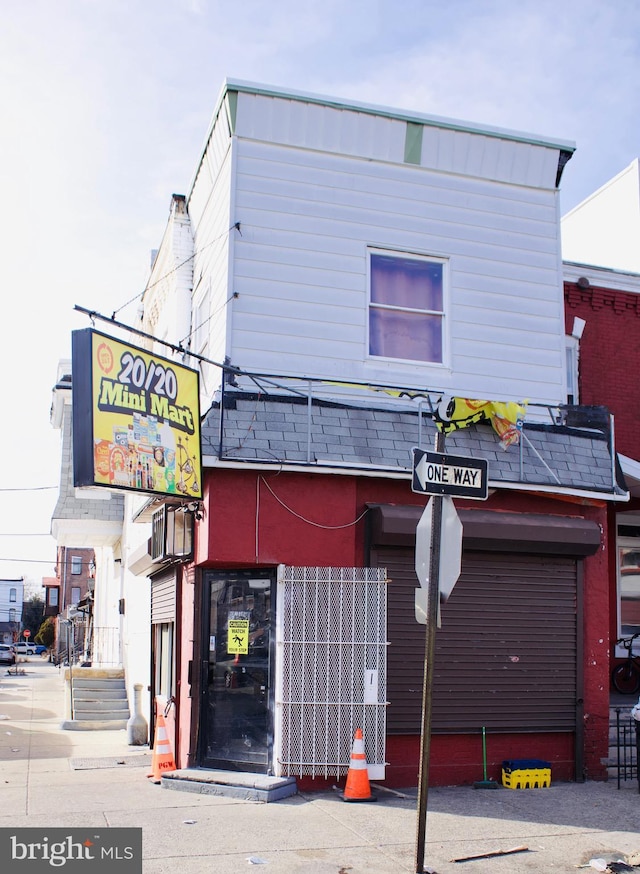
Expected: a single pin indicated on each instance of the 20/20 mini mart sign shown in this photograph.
(136, 418)
(437, 473)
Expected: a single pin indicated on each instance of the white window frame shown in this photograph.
(572, 352)
(623, 542)
(443, 314)
(164, 667)
(76, 564)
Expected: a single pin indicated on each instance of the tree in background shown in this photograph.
(32, 614)
(46, 634)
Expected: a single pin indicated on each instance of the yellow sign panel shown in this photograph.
(238, 636)
(144, 418)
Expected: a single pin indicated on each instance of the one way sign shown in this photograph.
(436, 473)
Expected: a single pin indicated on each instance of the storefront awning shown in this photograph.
(395, 525)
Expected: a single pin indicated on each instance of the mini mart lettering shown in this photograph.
(116, 398)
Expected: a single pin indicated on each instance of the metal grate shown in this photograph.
(627, 748)
(332, 669)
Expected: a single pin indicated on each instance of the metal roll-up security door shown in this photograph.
(163, 599)
(506, 655)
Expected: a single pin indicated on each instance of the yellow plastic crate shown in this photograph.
(526, 774)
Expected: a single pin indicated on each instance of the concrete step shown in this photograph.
(231, 784)
(99, 695)
(99, 700)
(100, 713)
(97, 683)
(96, 705)
(94, 724)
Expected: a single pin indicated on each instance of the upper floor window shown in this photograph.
(76, 564)
(407, 307)
(13, 595)
(75, 594)
(12, 615)
(52, 598)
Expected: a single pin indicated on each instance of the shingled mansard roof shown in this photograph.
(266, 429)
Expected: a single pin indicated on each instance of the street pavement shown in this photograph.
(58, 778)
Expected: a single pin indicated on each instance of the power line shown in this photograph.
(175, 269)
(31, 489)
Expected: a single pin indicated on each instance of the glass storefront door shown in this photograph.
(236, 714)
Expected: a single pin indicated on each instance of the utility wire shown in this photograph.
(309, 521)
(208, 319)
(32, 489)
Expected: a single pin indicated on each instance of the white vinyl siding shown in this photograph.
(212, 225)
(300, 271)
(316, 184)
(376, 134)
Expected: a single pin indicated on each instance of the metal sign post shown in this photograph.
(427, 686)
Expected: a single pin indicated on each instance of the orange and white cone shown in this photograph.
(162, 761)
(357, 787)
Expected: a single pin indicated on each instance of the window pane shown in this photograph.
(629, 559)
(53, 597)
(76, 564)
(395, 334)
(164, 656)
(406, 282)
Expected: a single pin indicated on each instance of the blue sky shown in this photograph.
(105, 105)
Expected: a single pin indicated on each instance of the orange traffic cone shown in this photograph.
(162, 761)
(357, 786)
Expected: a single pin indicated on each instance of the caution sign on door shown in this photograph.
(238, 636)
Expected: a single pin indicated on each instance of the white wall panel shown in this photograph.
(212, 223)
(307, 220)
(492, 158)
(313, 185)
(323, 128)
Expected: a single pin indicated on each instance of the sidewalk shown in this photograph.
(52, 777)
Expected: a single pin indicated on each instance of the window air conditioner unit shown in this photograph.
(171, 533)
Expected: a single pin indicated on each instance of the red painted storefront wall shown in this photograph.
(609, 355)
(608, 376)
(266, 519)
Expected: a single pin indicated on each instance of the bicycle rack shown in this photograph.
(627, 748)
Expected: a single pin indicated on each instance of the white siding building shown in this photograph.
(324, 249)
(300, 206)
(11, 600)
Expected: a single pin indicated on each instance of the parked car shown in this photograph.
(24, 648)
(40, 648)
(7, 655)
